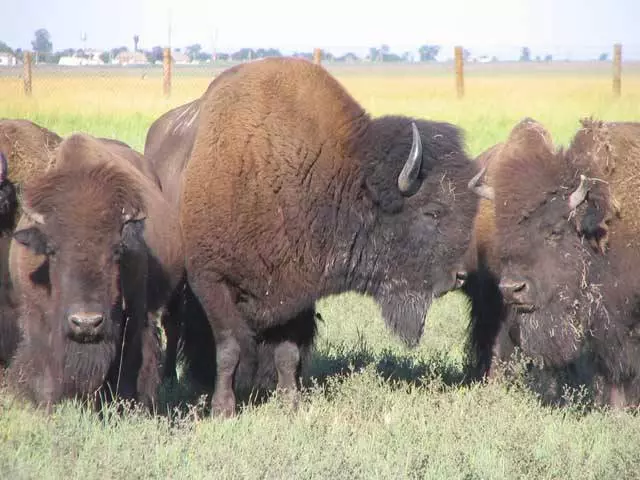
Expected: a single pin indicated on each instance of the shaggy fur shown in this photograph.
(579, 299)
(108, 239)
(167, 149)
(291, 194)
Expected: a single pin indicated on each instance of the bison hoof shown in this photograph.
(223, 406)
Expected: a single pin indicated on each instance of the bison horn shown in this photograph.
(408, 178)
(580, 193)
(32, 215)
(3, 167)
(484, 191)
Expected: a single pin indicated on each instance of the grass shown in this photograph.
(372, 408)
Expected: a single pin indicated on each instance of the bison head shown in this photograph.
(85, 221)
(418, 180)
(545, 262)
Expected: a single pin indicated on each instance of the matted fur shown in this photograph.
(291, 193)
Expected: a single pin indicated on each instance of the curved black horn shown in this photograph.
(3, 167)
(484, 191)
(408, 178)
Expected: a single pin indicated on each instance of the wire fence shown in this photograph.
(32, 78)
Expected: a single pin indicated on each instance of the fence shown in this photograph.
(317, 59)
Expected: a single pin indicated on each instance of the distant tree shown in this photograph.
(193, 51)
(117, 51)
(136, 40)
(603, 57)
(548, 58)
(223, 57)
(374, 54)
(538, 59)
(155, 55)
(348, 57)
(4, 48)
(494, 59)
(466, 54)
(268, 52)
(204, 57)
(42, 44)
(525, 54)
(305, 55)
(105, 57)
(243, 54)
(19, 54)
(428, 53)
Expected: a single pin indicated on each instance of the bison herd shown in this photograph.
(275, 189)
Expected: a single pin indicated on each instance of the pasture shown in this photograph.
(371, 407)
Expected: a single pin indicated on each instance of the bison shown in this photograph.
(293, 192)
(167, 149)
(97, 252)
(25, 150)
(566, 255)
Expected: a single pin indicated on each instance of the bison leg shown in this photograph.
(231, 335)
(149, 374)
(287, 360)
(171, 318)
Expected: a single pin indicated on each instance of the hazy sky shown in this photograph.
(571, 28)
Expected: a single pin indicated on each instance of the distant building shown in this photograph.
(131, 58)
(7, 59)
(90, 57)
(180, 58)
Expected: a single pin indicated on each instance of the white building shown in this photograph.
(7, 59)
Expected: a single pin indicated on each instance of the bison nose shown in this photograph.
(85, 322)
(461, 278)
(517, 292)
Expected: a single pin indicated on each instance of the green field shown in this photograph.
(371, 407)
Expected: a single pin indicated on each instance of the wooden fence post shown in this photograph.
(166, 72)
(317, 56)
(27, 60)
(617, 69)
(459, 71)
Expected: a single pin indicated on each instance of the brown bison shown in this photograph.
(96, 254)
(25, 150)
(167, 150)
(567, 257)
(293, 192)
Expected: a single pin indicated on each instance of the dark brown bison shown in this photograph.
(167, 150)
(25, 150)
(96, 255)
(294, 192)
(567, 258)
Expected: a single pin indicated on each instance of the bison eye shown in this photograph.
(117, 252)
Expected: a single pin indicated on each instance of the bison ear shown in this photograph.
(34, 239)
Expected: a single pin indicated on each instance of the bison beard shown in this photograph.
(293, 193)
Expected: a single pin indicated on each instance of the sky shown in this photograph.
(573, 29)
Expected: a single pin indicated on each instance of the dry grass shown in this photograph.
(405, 415)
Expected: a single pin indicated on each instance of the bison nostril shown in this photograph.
(461, 278)
(86, 320)
(519, 287)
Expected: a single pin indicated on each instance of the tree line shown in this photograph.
(42, 46)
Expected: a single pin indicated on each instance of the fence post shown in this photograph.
(317, 56)
(617, 69)
(166, 72)
(27, 60)
(459, 72)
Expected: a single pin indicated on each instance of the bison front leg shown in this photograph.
(287, 360)
(230, 332)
